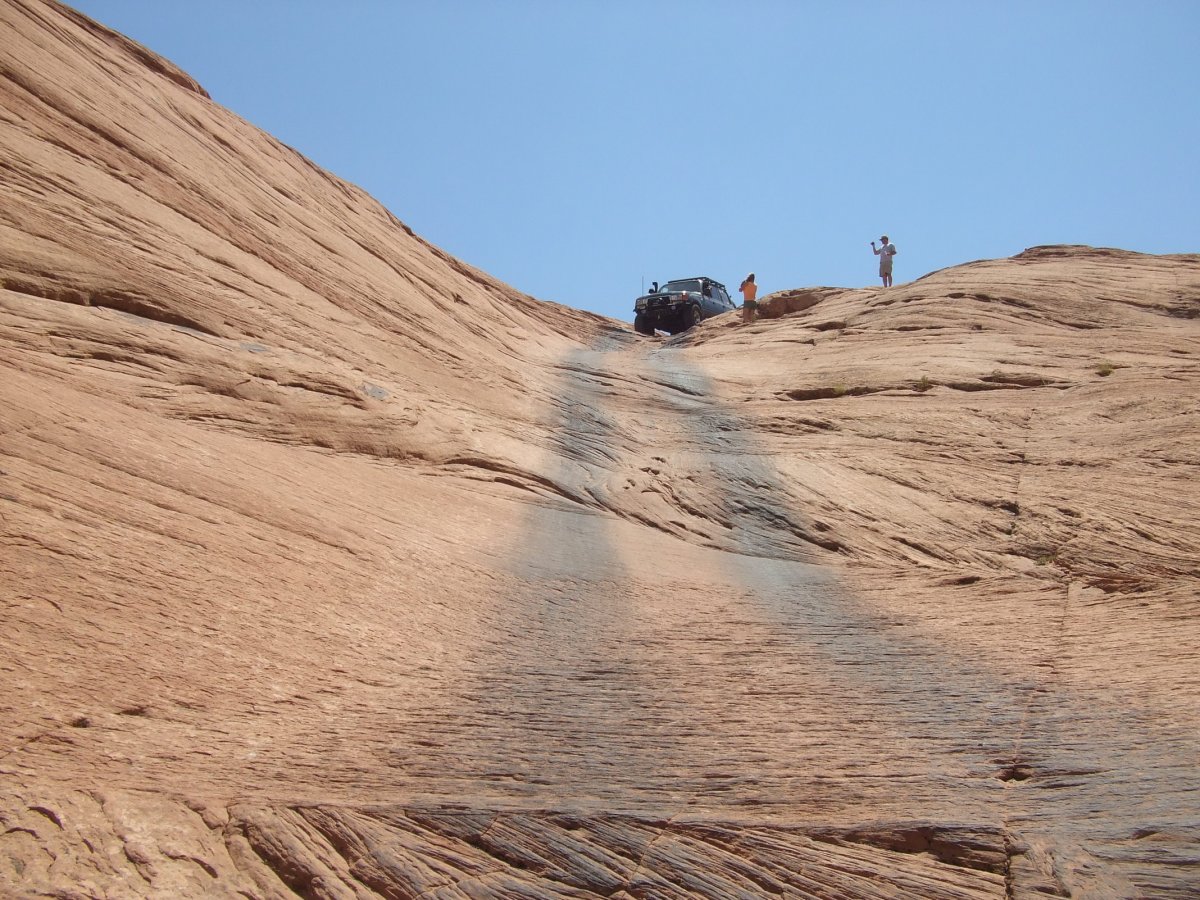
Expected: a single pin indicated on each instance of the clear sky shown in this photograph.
(575, 148)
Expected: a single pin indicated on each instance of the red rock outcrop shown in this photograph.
(333, 567)
(780, 303)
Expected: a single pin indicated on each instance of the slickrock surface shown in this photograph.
(333, 567)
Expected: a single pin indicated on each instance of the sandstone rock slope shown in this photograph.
(330, 566)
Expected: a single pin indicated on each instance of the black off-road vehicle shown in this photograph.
(678, 305)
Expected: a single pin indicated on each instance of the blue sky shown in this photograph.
(575, 148)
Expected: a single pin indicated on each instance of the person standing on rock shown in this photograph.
(749, 304)
(885, 254)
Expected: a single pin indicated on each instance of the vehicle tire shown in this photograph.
(641, 326)
(692, 317)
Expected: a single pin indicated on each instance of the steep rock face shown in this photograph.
(333, 567)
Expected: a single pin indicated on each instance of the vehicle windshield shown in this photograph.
(688, 284)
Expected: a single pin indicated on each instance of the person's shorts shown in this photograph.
(885, 268)
(751, 304)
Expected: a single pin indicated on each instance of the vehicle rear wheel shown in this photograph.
(641, 326)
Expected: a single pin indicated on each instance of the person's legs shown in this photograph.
(887, 280)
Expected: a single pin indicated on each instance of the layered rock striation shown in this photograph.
(333, 567)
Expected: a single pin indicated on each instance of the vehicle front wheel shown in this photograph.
(693, 316)
(641, 326)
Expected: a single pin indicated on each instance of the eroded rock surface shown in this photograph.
(333, 567)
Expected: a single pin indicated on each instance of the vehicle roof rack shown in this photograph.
(693, 278)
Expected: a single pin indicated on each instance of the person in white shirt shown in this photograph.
(885, 254)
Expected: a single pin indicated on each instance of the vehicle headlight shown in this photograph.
(640, 304)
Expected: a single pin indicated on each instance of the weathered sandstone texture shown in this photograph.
(330, 566)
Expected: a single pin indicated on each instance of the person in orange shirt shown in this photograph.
(749, 304)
